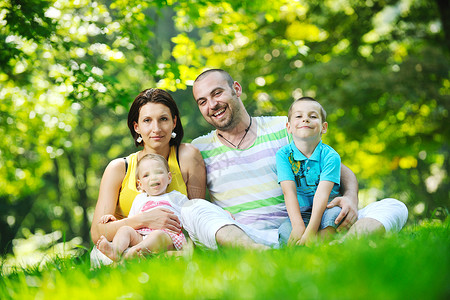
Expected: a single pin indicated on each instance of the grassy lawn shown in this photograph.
(413, 264)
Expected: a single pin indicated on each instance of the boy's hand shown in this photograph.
(296, 235)
(107, 218)
(307, 237)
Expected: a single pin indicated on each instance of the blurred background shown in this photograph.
(69, 69)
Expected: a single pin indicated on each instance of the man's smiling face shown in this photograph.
(217, 101)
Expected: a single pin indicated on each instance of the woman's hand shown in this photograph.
(160, 218)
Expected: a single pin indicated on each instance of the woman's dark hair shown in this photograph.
(155, 96)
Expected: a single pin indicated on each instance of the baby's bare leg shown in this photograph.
(156, 241)
(126, 236)
(105, 247)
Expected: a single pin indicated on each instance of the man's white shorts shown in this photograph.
(202, 220)
(390, 212)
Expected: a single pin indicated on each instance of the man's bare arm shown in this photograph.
(348, 202)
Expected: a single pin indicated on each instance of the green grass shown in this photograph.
(413, 264)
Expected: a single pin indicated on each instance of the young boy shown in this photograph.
(309, 175)
(152, 177)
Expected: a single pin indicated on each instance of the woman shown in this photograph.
(155, 124)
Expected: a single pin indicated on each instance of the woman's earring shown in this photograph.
(174, 134)
(139, 139)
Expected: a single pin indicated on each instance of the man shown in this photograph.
(241, 175)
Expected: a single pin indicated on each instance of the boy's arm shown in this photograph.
(319, 204)
(290, 198)
(348, 201)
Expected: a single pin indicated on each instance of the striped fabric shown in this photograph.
(244, 182)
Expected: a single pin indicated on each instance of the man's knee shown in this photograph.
(228, 234)
(366, 226)
(233, 236)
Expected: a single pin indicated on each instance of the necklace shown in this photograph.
(245, 134)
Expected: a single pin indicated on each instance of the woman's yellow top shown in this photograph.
(129, 191)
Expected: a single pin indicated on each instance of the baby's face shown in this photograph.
(153, 177)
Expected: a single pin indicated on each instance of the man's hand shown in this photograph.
(349, 212)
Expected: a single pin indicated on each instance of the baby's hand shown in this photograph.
(107, 218)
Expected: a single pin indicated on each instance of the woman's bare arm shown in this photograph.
(107, 200)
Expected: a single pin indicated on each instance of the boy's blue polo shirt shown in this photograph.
(324, 164)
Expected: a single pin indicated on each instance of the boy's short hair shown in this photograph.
(323, 113)
(152, 156)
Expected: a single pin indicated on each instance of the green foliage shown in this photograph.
(69, 69)
(413, 264)
(363, 61)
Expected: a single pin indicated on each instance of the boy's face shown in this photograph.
(153, 177)
(306, 121)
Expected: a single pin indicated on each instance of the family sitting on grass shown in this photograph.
(259, 198)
